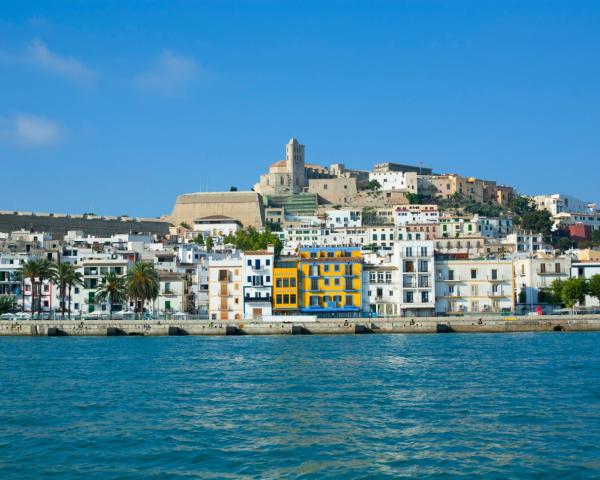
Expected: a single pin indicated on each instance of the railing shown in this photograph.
(257, 299)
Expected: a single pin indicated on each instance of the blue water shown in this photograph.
(370, 406)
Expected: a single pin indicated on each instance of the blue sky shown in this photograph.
(117, 107)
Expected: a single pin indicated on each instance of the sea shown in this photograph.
(523, 405)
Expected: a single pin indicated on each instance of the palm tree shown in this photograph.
(142, 284)
(74, 278)
(112, 289)
(60, 274)
(36, 270)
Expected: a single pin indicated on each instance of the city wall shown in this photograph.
(338, 326)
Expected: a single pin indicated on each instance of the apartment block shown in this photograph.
(225, 289)
(330, 281)
(257, 282)
(474, 286)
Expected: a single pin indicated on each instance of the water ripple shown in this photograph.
(420, 406)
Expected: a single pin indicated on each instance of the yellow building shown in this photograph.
(330, 281)
(285, 285)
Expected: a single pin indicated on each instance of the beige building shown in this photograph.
(336, 191)
(285, 176)
(225, 289)
(447, 185)
(245, 207)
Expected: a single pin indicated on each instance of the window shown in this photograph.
(278, 299)
(249, 278)
(349, 300)
(408, 297)
(268, 279)
(326, 282)
(494, 274)
(278, 282)
(473, 273)
(268, 262)
(336, 282)
(293, 298)
(249, 262)
(336, 267)
(424, 297)
(325, 268)
(286, 298)
(286, 283)
(292, 282)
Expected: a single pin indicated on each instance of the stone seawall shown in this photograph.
(337, 326)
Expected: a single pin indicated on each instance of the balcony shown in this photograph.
(497, 295)
(550, 273)
(257, 299)
(498, 278)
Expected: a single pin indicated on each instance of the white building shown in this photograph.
(534, 277)
(225, 289)
(257, 283)
(94, 269)
(566, 219)
(411, 214)
(172, 297)
(586, 270)
(344, 218)
(391, 180)
(474, 286)
(522, 242)
(381, 285)
(415, 260)
(559, 203)
(216, 226)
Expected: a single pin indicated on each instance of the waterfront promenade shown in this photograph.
(490, 324)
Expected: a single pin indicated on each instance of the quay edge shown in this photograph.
(489, 324)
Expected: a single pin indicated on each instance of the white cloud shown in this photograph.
(172, 74)
(66, 67)
(30, 131)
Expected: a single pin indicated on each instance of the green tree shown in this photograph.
(537, 221)
(574, 291)
(199, 239)
(521, 205)
(233, 189)
(594, 286)
(596, 236)
(185, 225)
(373, 185)
(209, 244)
(7, 304)
(60, 274)
(251, 239)
(112, 290)
(556, 289)
(142, 284)
(564, 244)
(37, 271)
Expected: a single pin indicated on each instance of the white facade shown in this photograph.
(225, 289)
(403, 181)
(257, 283)
(591, 219)
(586, 270)
(381, 286)
(415, 260)
(216, 226)
(474, 286)
(172, 297)
(525, 242)
(344, 218)
(534, 276)
(411, 214)
(559, 203)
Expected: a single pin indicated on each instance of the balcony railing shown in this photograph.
(257, 299)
